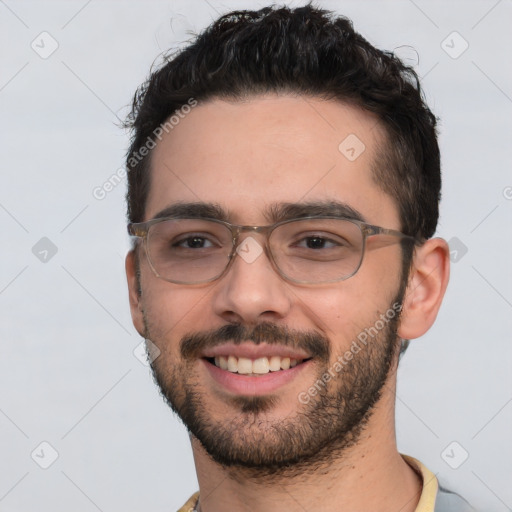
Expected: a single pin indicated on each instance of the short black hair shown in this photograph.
(307, 51)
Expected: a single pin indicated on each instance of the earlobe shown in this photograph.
(428, 279)
(134, 292)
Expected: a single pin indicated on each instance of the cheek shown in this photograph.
(347, 308)
(334, 311)
(171, 310)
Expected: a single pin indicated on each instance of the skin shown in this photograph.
(244, 156)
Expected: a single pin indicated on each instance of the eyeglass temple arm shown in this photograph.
(370, 230)
(138, 230)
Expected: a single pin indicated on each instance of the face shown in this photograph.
(251, 159)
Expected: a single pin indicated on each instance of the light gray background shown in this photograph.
(68, 374)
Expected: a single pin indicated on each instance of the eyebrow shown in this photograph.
(193, 211)
(286, 211)
(276, 212)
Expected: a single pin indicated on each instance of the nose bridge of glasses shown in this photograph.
(238, 230)
(260, 240)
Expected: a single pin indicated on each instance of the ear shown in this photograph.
(428, 279)
(134, 292)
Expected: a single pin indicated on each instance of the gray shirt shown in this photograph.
(448, 501)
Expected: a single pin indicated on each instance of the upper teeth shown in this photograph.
(259, 366)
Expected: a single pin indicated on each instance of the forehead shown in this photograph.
(268, 150)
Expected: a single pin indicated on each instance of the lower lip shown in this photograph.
(253, 386)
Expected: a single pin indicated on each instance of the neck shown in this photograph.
(369, 475)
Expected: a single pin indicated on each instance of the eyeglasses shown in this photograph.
(309, 250)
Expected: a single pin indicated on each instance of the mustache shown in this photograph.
(316, 345)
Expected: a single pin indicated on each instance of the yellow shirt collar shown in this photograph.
(430, 485)
(427, 499)
(191, 504)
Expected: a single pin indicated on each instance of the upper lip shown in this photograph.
(249, 350)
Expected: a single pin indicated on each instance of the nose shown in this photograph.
(252, 291)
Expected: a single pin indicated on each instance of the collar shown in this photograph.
(430, 485)
(427, 498)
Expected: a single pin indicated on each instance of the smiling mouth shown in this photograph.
(254, 367)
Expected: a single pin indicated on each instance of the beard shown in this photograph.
(319, 430)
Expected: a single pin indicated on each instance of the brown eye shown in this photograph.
(194, 242)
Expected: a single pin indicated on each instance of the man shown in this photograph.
(284, 181)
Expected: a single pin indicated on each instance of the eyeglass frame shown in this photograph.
(141, 230)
